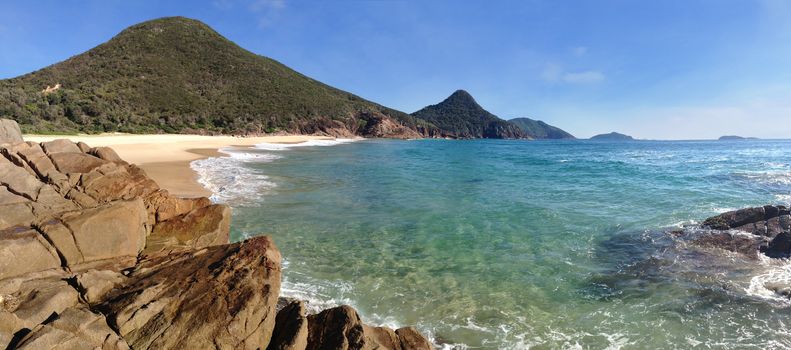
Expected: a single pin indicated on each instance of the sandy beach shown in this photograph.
(166, 158)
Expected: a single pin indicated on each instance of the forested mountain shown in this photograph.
(461, 116)
(177, 75)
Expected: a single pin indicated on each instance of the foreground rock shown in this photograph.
(221, 296)
(93, 254)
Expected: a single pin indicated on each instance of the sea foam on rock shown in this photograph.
(93, 254)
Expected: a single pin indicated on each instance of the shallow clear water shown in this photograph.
(515, 244)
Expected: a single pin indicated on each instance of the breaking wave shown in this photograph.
(230, 180)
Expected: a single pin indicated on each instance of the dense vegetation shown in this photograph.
(178, 75)
(539, 130)
(460, 116)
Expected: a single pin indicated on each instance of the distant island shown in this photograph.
(612, 136)
(734, 137)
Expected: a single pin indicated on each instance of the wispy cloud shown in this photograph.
(267, 11)
(586, 77)
(579, 51)
(554, 73)
(263, 5)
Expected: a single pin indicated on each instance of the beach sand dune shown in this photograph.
(166, 157)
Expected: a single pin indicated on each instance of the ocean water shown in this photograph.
(491, 244)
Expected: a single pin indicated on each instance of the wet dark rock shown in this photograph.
(749, 245)
(291, 328)
(765, 229)
(778, 247)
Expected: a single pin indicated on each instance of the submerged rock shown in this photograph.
(93, 254)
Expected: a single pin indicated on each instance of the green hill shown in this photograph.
(177, 75)
(539, 130)
(460, 116)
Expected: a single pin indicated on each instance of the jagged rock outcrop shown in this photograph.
(222, 296)
(764, 229)
(93, 254)
(341, 328)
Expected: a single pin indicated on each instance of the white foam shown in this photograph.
(771, 271)
(784, 198)
(240, 154)
(310, 143)
(230, 181)
(772, 177)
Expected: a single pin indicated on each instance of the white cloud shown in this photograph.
(586, 77)
(554, 73)
(579, 51)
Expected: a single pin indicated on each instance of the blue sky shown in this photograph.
(652, 69)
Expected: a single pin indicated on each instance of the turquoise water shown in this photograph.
(492, 244)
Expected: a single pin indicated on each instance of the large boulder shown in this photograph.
(70, 162)
(16, 209)
(341, 328)
(74, 328)
(162, 206)
(216, 297)
(31, 300)
(60, 146)
(110, 231)
(112, 181)
(202, 227)
(9, 131)
(37, 160)
(291, 328)
(94, 284)
(107, 154)
(24, 251)
(411, 339)
(336, 328)
(19, 181)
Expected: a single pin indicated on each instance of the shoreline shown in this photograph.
(166, 158)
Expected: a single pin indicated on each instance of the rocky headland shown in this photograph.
(93, 254)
